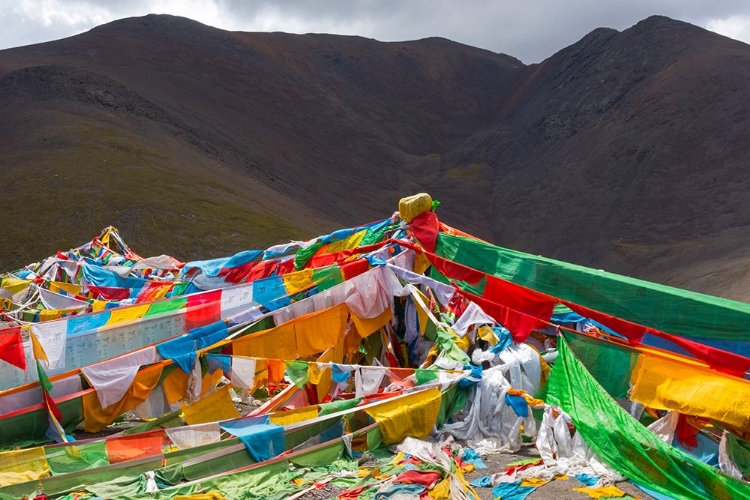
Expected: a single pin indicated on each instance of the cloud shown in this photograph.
(737, 27)
(529, 30)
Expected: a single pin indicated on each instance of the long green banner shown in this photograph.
(657, 306)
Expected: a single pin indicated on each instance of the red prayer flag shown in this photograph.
(110, 292)
(520, 298)
(11, 347)
(354, 268)
(687, 434)
(519, 324)
(52, 406)
(632, 331)
(425, 228)
(203, 309)
(720, 360)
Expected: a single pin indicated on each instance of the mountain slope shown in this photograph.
(623, 151)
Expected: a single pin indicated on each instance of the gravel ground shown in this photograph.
(328, 491)
(557, 489)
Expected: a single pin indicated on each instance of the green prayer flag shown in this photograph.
(305, 254)
(337, 406)
(43, 379)
(164, 306)
(626, 445)
(297, 371)
(610, 364)
(327, 277)
(76, 457)
(423, 375)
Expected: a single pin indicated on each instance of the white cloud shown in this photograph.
(56, 12)
(737, 27)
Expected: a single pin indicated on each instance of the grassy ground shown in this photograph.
(82, 178)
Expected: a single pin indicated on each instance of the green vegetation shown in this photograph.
(85, 177)
(472, 171)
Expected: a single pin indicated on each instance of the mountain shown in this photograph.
(625, 151)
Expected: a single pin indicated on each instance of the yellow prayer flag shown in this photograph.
(18, 466)
(36, 346)
(422, 314)
(486, 333)
(15, 285)
(319, 331)
(315, 373)
(127, 313)
(210, 380)
(216, 406)
(96, 418)
(412, 415)
(98, 305)
(350, 242)
(464, 485)
(534, 482)
(462, 343)
(175, 385)
(293, 416)
(610, 491)
(160, 292)
(276, 343)
(299, 338)
(442, 490)
(367, 326)
(211, 495)
(297, 281)
(666, 384)
(421, 263)
(70, 288)
(324, 380)
(50, 314)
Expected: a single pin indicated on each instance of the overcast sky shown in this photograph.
(528, 29)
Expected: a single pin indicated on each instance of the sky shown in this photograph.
(530, 30)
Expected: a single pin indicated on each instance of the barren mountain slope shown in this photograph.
(624, 151)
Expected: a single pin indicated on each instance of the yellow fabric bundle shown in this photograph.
(412, 206)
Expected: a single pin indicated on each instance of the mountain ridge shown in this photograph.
(622, 151)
